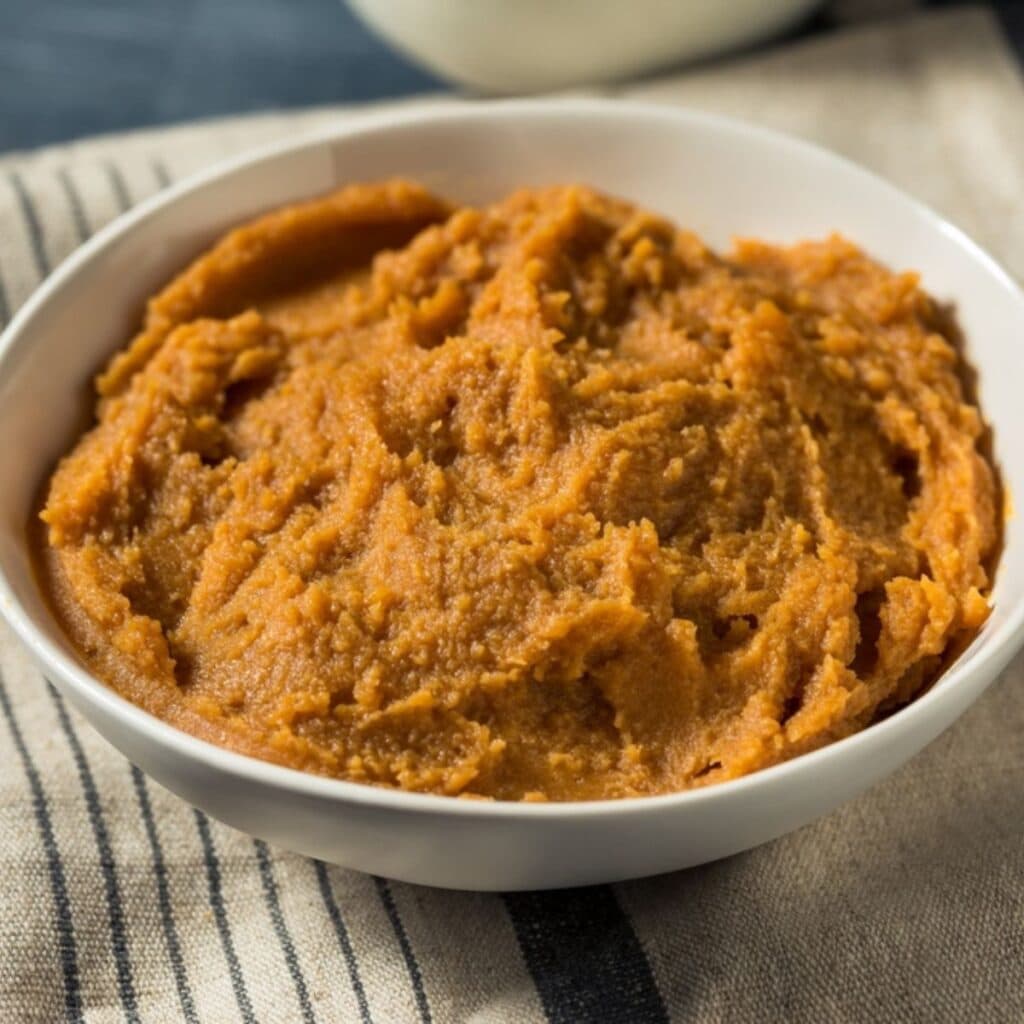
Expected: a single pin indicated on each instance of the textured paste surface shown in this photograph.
(543, 500)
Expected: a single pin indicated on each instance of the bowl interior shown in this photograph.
(717, 177)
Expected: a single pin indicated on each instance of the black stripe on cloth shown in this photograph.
(112, 890)
(118, 185)
(160, 172)
(585, 958)
(407, 954)
(54, 865)
(35, 228)
(163, 895)
(273, 901)
(819, 22)
(75, 205)
(334, 912)
(1011, 17)
(5, 306)
(220, 916)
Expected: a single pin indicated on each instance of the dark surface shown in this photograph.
(70, 68)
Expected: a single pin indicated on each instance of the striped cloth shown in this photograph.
(118, 902)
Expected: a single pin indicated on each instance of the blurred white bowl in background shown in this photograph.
(506, 46)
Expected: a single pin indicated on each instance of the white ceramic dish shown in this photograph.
(508, 46)
(716, 176)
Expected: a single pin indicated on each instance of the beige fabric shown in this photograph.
(905, 905)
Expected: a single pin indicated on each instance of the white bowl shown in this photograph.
(718, 177)
(507, 46)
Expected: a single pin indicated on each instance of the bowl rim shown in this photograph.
(988, 648)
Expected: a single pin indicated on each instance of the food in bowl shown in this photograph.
(539, 501)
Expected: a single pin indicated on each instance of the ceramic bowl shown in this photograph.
(509, 46)
(717, 177)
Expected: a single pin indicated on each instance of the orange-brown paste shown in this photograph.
(542, 500)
